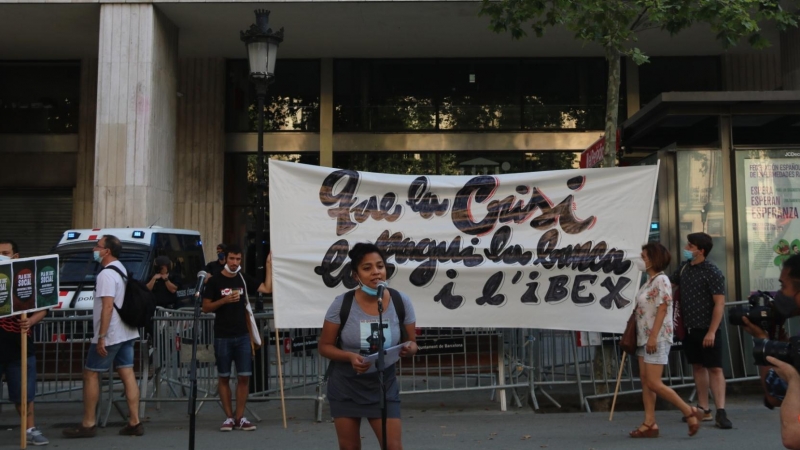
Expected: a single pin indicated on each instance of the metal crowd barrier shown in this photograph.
(522, 362)
(737, 363)
(60, 345)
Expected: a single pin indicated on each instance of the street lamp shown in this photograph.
(262, 50)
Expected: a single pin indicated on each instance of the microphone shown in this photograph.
(382, 287)
(201, 278)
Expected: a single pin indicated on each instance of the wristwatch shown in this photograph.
(102, 336)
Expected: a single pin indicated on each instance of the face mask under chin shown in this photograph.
(238, 268)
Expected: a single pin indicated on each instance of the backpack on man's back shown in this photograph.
(139, 305)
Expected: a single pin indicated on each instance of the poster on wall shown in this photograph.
(28, 284)
(772, 191)
(548, 250)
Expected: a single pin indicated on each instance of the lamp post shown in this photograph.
(262, 50)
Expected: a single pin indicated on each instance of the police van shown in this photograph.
(140, 248)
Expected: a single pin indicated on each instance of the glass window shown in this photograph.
(701, 201)
(768, 192)
(76, 265)
(564, 94)
(292, 102)
(463, 95)
(39, 97)
(479, 95)
(679, 74)
(455, 163)
(239, 209)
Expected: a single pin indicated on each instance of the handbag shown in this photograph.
(252, 327)
(628, 341)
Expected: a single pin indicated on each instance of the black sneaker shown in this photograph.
(722, 420)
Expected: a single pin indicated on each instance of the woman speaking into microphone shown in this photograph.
(347, 335)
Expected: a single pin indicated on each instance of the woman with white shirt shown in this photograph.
(654, 338)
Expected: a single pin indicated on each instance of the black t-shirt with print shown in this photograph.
(230, 318)
(699, 283)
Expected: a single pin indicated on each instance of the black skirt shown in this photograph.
(354, 395)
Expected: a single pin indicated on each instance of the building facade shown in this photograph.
(139, 114)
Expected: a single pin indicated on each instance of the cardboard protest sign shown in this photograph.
(28, 284)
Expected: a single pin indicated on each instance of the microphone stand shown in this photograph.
(381, 367)
(198, 299)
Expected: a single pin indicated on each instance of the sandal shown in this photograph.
(648, 432)
(694, 425)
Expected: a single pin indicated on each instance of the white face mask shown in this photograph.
(639, 263)
(231, 271)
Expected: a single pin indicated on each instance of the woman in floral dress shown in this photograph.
(654, 338)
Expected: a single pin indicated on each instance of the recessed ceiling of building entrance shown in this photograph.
(314, 29)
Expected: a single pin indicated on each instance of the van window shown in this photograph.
(184, 250)
(78, 265)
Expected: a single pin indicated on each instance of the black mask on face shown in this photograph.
(786, 305)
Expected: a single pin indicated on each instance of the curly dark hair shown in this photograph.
(362, 249)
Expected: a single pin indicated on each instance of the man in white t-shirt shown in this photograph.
(112, 343)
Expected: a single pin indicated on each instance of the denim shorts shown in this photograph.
(13, 373)
(121, 355)
(234, 350)
(661, 356)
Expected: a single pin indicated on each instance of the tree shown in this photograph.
(614, 24)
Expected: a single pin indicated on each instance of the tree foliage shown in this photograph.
(615, 25)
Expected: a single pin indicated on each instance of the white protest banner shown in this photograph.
(28, 284)
(542, 250)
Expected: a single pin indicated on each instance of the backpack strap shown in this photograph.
(344, 313)
(400, 310)
(124, 280)
(116, 269)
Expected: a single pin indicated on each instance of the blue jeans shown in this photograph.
(121, 355)
(13, 372)
(234, 350)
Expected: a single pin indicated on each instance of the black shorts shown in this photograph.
(697, 354)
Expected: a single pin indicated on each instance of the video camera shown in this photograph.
(788, 352)
(760, 311)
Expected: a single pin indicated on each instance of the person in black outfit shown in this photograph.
(214, 268)
(164, 284)
(225, 296)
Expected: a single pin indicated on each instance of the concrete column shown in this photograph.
(201, 149)
(136, 117)
(326, 113)
(83, 194)
(790, 59)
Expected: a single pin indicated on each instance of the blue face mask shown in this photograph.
(369, 290)
(221, 256)
(96, 256)
(688, 255)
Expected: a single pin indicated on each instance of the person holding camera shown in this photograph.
(702, 307)
(163, 284)
(782, 382)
